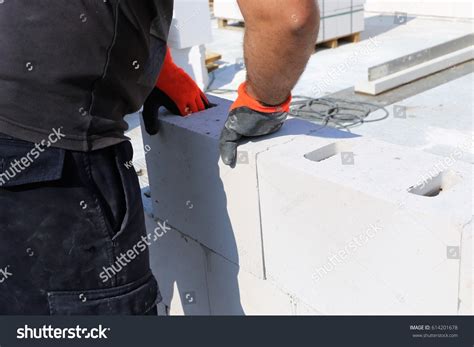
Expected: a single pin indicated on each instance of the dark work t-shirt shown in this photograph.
(78, 66)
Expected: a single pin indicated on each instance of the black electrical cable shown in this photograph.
(327, 111)
(339, 113)
(218, 90)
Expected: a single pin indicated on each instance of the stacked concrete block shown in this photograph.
(193, 280)
(190, 30)
(191, 24)
(179, 264)
(339, 18)
(203, 198)
(359, 217)
(312, 221)
(194, 200)
(196, 281)
(233, 291)
(228, 9)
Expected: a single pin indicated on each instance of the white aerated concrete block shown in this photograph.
(303, 309)
(350, 4)
(191, 25)
(233, 291)
(342, 22)
(179, 265)
(466, 290)
(228, 9)
(339, 18)
(335, 223)
(345, 231)
(358, 22)
(193, 61)
(329, 7)
(190, 30)
(415, 72)
(237, 292)
(210, 202)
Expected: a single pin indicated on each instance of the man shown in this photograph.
(73, 239)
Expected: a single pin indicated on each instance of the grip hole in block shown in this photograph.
(435, 185)
(327, 152)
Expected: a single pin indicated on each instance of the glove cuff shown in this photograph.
(248, 122)
(167, 72)
(245, 100)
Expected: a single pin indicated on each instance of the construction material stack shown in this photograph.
(311, 220)
(189, 32)
(339, 18)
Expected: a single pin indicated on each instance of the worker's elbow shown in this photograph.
(290, 18)
(303, 21)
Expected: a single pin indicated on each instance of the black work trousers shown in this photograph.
(72, 233)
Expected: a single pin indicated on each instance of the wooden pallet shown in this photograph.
(211, 59)
(223, 23)
(334, 43)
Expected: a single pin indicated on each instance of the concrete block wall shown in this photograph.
(202, 198)
(311, 221)
(180, 266)
(234, 292)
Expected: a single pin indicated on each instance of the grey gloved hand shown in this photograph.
(249, 118)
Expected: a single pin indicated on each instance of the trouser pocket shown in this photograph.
(54, 234)
(136, 298)
(108, 186)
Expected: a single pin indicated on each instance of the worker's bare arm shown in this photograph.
(279, 39)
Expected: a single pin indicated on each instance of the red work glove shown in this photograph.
(249, 118)
(176, 91)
